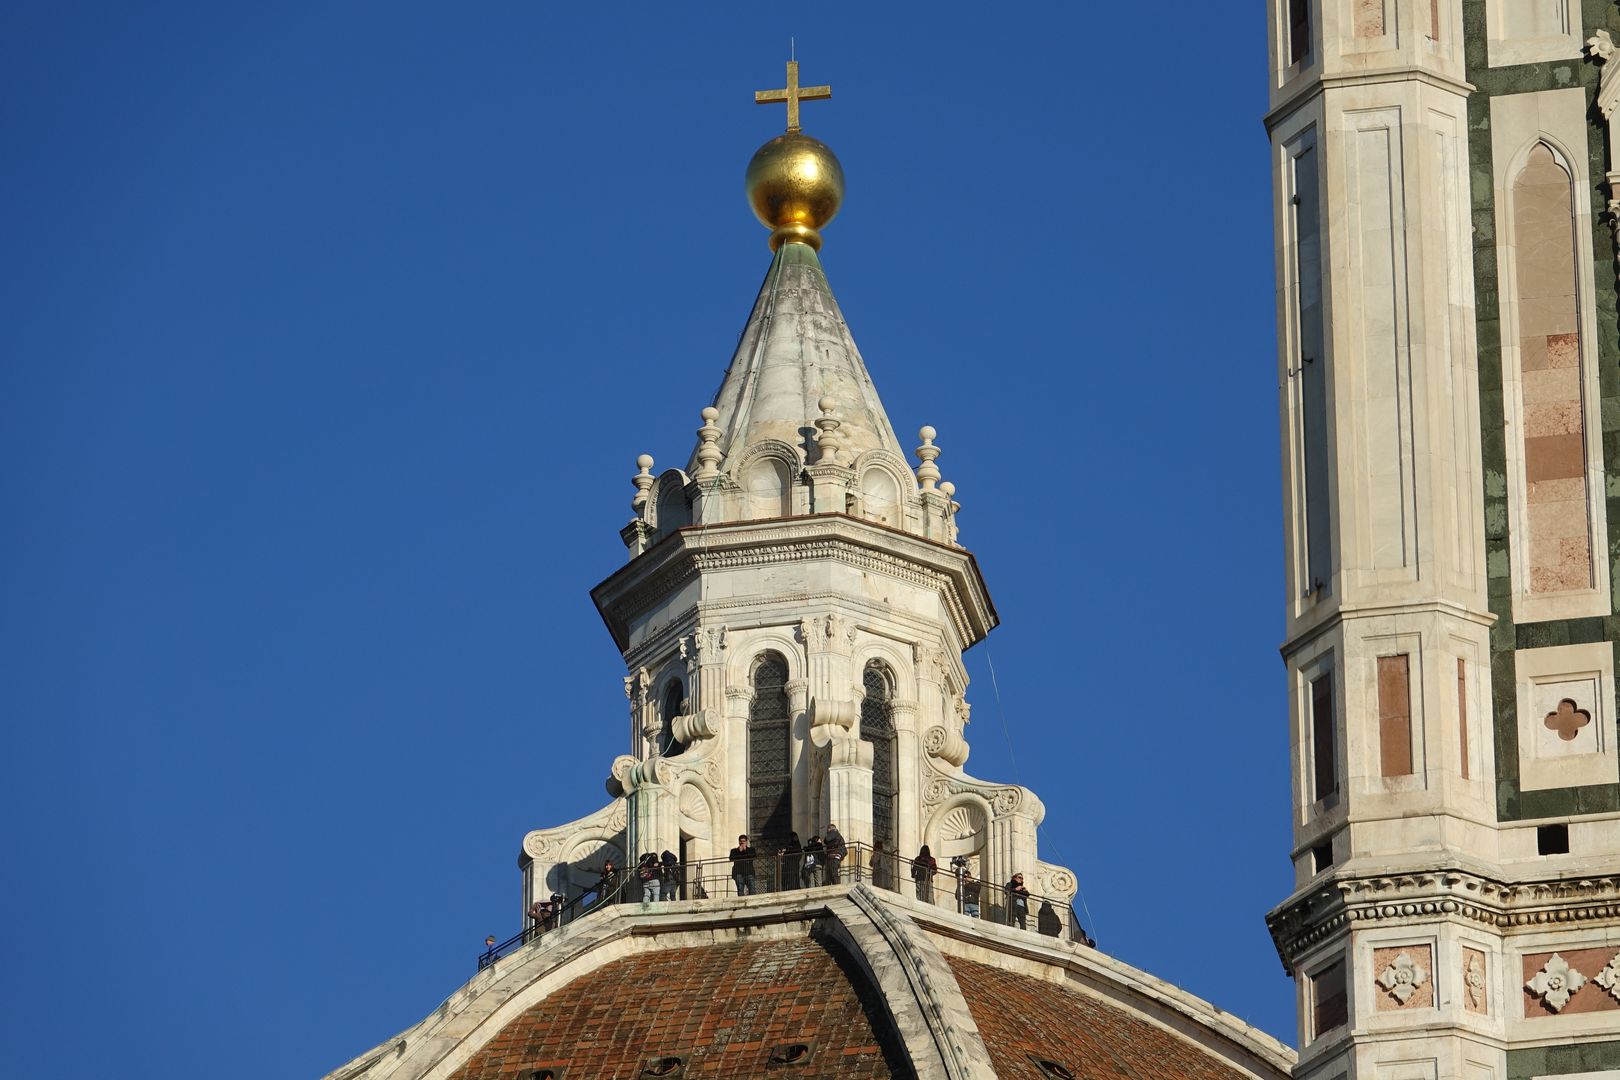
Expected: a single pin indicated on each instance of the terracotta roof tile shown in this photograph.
(1018, 1016)
(724, 1008)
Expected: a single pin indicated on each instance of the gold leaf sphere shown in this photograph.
(795, 186)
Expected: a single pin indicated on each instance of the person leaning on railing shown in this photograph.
(836, 850)
(815, 857)
(1017, 902)
(923, 869)
(742, 867)
(882, 865)
(787, 862)
(607, 883)
(969, 887)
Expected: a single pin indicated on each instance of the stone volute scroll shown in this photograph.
(1600, 46)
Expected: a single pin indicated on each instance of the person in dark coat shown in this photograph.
(923, 869)
(815, 860)
(742, 866)
(969, 887)
(882, 864)
(671, 864)
(836, 850)
(1017, 902)
(607, 885)
(787, 862)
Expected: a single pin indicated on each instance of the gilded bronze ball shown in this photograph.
(795, 186)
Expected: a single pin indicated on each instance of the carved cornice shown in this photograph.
(1329, 908)
(650, 579)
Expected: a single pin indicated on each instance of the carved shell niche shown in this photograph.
(693, 804)
(962, 823)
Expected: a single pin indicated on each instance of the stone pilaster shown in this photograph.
(908, 824)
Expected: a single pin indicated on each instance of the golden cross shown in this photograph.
(793, 94)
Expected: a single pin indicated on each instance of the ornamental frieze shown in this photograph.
(1299, 925)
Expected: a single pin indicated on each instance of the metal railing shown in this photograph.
(949, 887)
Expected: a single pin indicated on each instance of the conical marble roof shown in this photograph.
(795, 350)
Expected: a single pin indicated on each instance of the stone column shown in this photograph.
(735, 798)
(799, 753)
(654, 819)
(908, 778)
(849, 788)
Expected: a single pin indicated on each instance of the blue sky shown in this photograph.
(330, 335)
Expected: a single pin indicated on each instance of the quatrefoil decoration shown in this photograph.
(1402, 978)
(1555, 983)
(1567, 720)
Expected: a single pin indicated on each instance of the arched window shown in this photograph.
(673, 509)
(880, 498)
(674, 698)
(769, 488)
(877, 728)
(770, 769)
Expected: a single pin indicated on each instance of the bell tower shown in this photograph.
(1435, 334)
(795, 603)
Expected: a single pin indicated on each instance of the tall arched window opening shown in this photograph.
(674, 699)
(877, 728)
(770, 769)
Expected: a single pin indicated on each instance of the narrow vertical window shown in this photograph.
(1310, 375)
(1329, 1001)
(877, 728)
(1299, 31)
(770, 777)
(1324, 758)
(1395, 715)
(674, 698)
(1462, 714)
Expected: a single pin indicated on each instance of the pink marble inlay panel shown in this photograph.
(1554, 425)
(1369, 18)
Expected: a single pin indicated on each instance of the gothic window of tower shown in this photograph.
(1299, 32)
(674, 699)
(1307, 372)
(1324, 732)
(770, 779)
(877, 728)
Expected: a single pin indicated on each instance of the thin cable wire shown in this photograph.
(1018, 777)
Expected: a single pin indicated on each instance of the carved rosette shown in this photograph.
(1402, 977)
(714, 774)
(935, 792)
(1055, 881)
(1555, 982)
(1609, 977)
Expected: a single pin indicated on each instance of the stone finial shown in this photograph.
(948, 490)
(827, 439)
(928, 453)
(644, 482)
(708, 454)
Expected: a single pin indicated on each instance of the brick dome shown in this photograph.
(844, 982)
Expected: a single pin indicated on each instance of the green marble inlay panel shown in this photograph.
(1512, 803)
(1561, 1060)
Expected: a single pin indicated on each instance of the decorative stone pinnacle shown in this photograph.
(928, 453)
(827, 439)
(948, 490)
(708, 454)
(644, 482)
